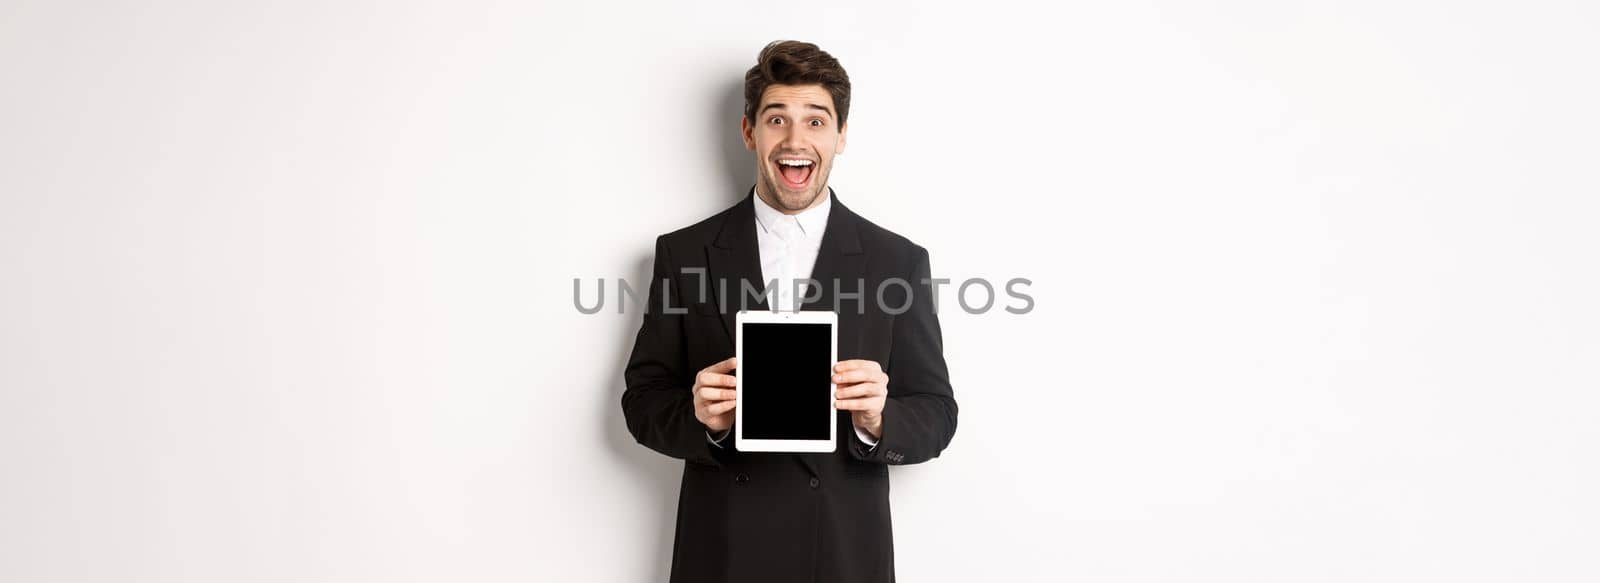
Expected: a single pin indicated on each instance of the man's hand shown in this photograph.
(862, 388)
(713, 395)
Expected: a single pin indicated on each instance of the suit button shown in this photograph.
(814, 482)
(741, 478)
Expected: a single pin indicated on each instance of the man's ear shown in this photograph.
(843, 129)
(747, 131)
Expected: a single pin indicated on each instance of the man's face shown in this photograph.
(795, 135)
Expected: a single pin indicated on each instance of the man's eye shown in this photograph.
(776, 120)
(816, 123)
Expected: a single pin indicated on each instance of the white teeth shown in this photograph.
(794, 162)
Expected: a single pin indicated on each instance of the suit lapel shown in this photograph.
(841, 266)
(734, 257)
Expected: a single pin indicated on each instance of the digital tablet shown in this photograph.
(784, 396)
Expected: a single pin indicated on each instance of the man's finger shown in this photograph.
(725, 366)
(716, 394)
(858, 391)
(720, 407)
(859, 375)
(711, 379)
(856, 363)
(857, 405)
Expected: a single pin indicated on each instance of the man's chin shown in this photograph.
(795, 201)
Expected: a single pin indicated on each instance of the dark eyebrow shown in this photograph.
(823, 108)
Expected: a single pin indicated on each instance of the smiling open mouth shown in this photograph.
(796, 172)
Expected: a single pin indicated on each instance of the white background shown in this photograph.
(287, 286)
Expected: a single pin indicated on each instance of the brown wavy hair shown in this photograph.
(790, 62)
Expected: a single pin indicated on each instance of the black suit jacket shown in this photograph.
(781, 517)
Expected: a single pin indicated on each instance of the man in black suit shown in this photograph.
(779, 517)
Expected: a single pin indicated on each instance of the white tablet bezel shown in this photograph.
(785, 445)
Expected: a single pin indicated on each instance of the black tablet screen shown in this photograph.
(786, 375)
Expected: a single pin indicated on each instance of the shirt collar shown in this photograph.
(812, 220)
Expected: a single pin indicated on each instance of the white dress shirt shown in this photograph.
(789, 245)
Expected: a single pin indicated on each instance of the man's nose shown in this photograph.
(789, 139)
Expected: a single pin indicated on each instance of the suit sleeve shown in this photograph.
(919, 415)
(657, 402)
